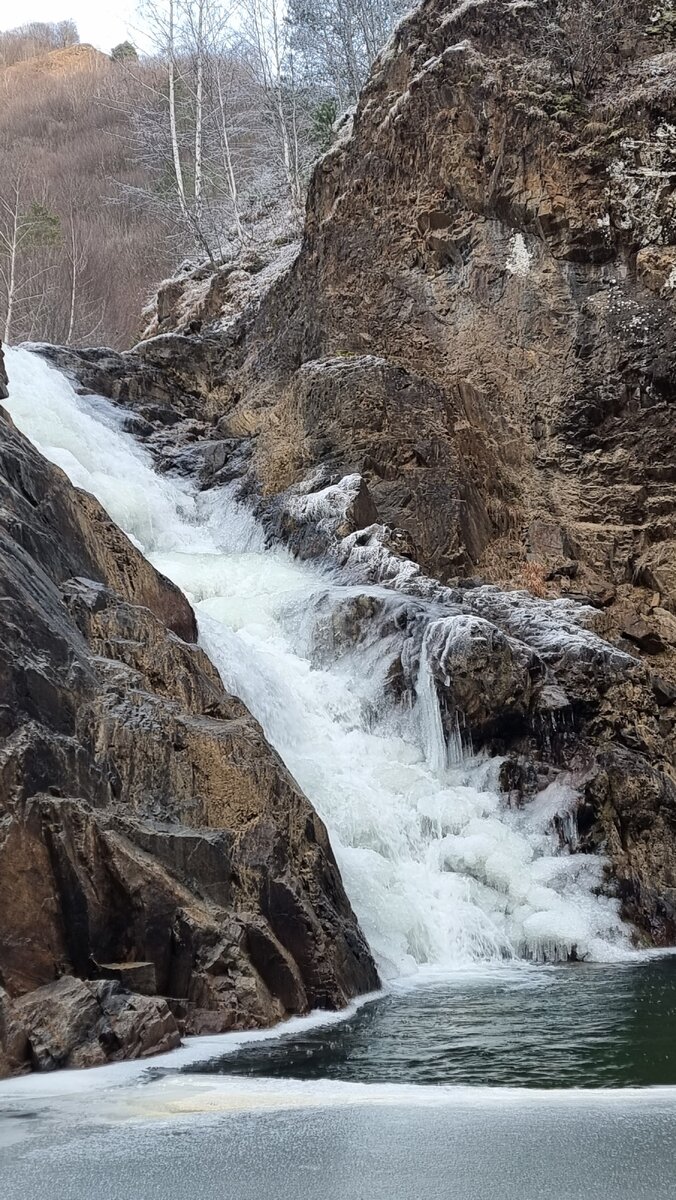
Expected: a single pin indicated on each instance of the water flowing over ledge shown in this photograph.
(440, 872)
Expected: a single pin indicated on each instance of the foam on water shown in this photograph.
(440, 872)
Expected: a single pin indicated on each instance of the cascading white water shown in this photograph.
(440, 872)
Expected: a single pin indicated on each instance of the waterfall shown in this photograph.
(441, 873)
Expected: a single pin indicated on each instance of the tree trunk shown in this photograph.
(11, 283)
(178, 171)
(199, 113)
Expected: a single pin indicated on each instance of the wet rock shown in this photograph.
(635, 809)
(3, 376)
(71, 1023)
(489, 679)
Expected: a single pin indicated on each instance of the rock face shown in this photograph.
(72, 1023)
(151, 841)
(481, 319)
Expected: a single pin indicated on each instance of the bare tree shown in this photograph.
(266, 35)
(26, 227)
(585, 37)
(337, 40)
(73, 265)
(29, 41)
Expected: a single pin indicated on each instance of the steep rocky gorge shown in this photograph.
(460, 386)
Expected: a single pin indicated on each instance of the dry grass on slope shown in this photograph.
(66, 61)
(65, 143)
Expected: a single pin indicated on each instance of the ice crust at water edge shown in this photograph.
(439, 871)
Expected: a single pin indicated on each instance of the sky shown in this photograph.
(104, 23)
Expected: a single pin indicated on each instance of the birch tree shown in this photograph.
(26, 229)
(266, 35)
(337, 40)
(178, 31)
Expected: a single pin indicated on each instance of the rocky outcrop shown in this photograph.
(480, 321)
(160, 871)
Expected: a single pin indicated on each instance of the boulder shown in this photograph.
(644, 633)
(483, 677)
(72, 1023)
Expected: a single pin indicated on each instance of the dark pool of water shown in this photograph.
(575, 1026)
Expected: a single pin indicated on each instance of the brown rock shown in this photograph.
(138, 977)
(14, 1048)
(664, 691)
(656, 268)
(645, 634)
(71, 1023)
(665, 624)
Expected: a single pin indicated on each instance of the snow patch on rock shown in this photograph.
(519, 258)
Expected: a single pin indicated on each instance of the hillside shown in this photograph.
(87, 256)
(66, 61)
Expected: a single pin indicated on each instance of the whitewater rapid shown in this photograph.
(441, 873)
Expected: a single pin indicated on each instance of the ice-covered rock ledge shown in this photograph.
(507, 672)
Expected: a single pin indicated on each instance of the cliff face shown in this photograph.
(481, 320)
(156, 858)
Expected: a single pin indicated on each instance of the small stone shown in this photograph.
(664, 691)
(643, 635)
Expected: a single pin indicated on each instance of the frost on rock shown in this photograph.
(555, 630)
(461, 10)
(641, 186)
(328, 506)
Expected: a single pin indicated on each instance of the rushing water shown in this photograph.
(587, 1026)
(440, 872)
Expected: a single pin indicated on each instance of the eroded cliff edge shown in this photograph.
(160, 870)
